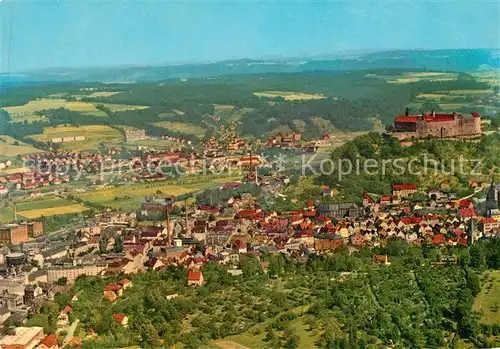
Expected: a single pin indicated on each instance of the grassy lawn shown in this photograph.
(488, 301)
(9, 149)
(289, 96)
(7, 215)
(181, 127)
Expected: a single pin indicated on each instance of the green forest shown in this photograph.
(352, 101)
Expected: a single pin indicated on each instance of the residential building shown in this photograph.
(13, 234)
(22, 338)
(344, 210)
(135, 134)
(54, 273)
(195, 278)
(403, 190)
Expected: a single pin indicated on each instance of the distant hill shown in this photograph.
(458, 60)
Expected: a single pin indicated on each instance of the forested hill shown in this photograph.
(460, 60)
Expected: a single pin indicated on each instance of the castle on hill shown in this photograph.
(436, 125)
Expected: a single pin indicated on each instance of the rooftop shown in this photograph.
(22, 337)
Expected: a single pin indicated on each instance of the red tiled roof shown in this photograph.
(465, 203)
(231, 185)
(49, 341)
(124, 281)
(468, 212)
(488, 220)
(311, 213)
(118, 317)
(438, 239)
(405, 118)
(113, 287)
(411, 220)
(404, 187)
(67, 309)
(194, 275)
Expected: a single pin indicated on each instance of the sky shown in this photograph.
(41, 34)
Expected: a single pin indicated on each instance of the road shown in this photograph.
(71, 331)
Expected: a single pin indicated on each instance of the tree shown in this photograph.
(62, 281)
(477, 256)
(118, 244)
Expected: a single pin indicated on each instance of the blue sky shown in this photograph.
(41, 34)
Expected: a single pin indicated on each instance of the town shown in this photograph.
(166, 231)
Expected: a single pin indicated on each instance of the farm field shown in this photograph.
(94, 134)
(410, 77)
(224, 111)
(121, 107)
(44, 206)
(9, 149)
(11, 170)
(289, 96)
(492, 78)
(487, 303)
(236, 115)
(29, 110)
(48, 206)
(7, 215)
(103, 94)
(130, 196)
(181, 127)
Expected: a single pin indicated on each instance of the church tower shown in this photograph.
(491, 205)
(471, 234)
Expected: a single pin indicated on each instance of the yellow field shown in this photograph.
(181, 127)
(222, 107)
(410, 77)
(122, 107)
(289, 96)
(27, 111)
(470, 92)
(431, 95)
(14, 170)
(51, 211)
(8, 149)
(102, 94)
(452, 106)
(178, 112)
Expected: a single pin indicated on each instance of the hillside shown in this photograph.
(447, 60)
(312, 103)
